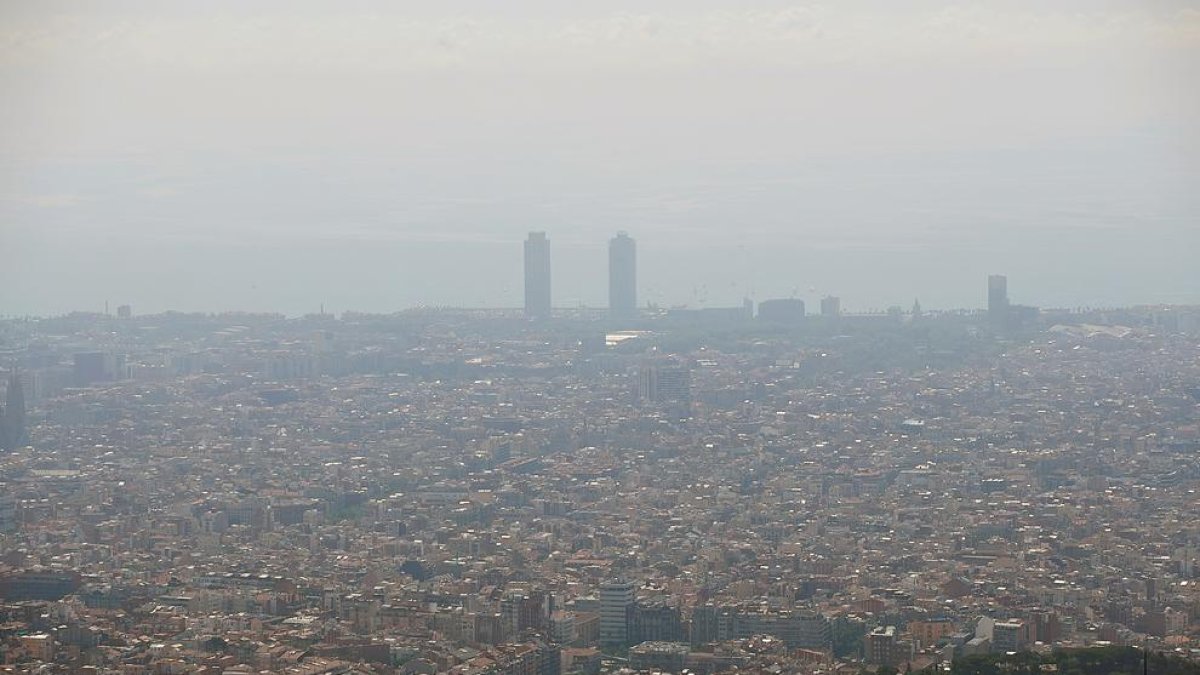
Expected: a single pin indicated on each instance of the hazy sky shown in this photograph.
(372, 156)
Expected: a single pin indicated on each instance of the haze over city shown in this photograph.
(568, 337)
(281, 156)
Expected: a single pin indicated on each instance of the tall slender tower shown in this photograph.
(537, 276)
(622, 276)
(997, 299)
(14, 435)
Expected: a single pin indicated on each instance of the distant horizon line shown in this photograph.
(643, 312)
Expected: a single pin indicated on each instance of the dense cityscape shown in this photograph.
(759, 488)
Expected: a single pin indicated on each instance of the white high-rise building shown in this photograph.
(616, 604)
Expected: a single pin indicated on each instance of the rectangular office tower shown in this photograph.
(616, 604)
(997, 299)
(537, 276)
(831, 306)
(622, 276)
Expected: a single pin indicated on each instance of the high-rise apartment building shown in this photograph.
(665, 380)
(882, 646)
(562, 627)
(831, 306)
(622, 276)
(1009, 636)
(537, 276)
(657, 621)
(616, 608)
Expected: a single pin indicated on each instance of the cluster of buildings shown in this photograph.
(622, 276)
(622, 285)
(1003, 316)
(473, 492)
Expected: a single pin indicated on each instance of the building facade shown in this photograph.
(616, 608)
(622, 276)
(537, 276)
(831, 306)
(997, 299)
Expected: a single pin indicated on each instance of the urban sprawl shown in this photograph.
(547, 491)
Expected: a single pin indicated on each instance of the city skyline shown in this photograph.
(539, 298)
(622, 275)
(405, 337)
(390, 155)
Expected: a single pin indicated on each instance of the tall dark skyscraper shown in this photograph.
(997, 299)
(622, 276)
(537, 276)
(12, 430)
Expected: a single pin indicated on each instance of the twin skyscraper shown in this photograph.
(622, 276)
